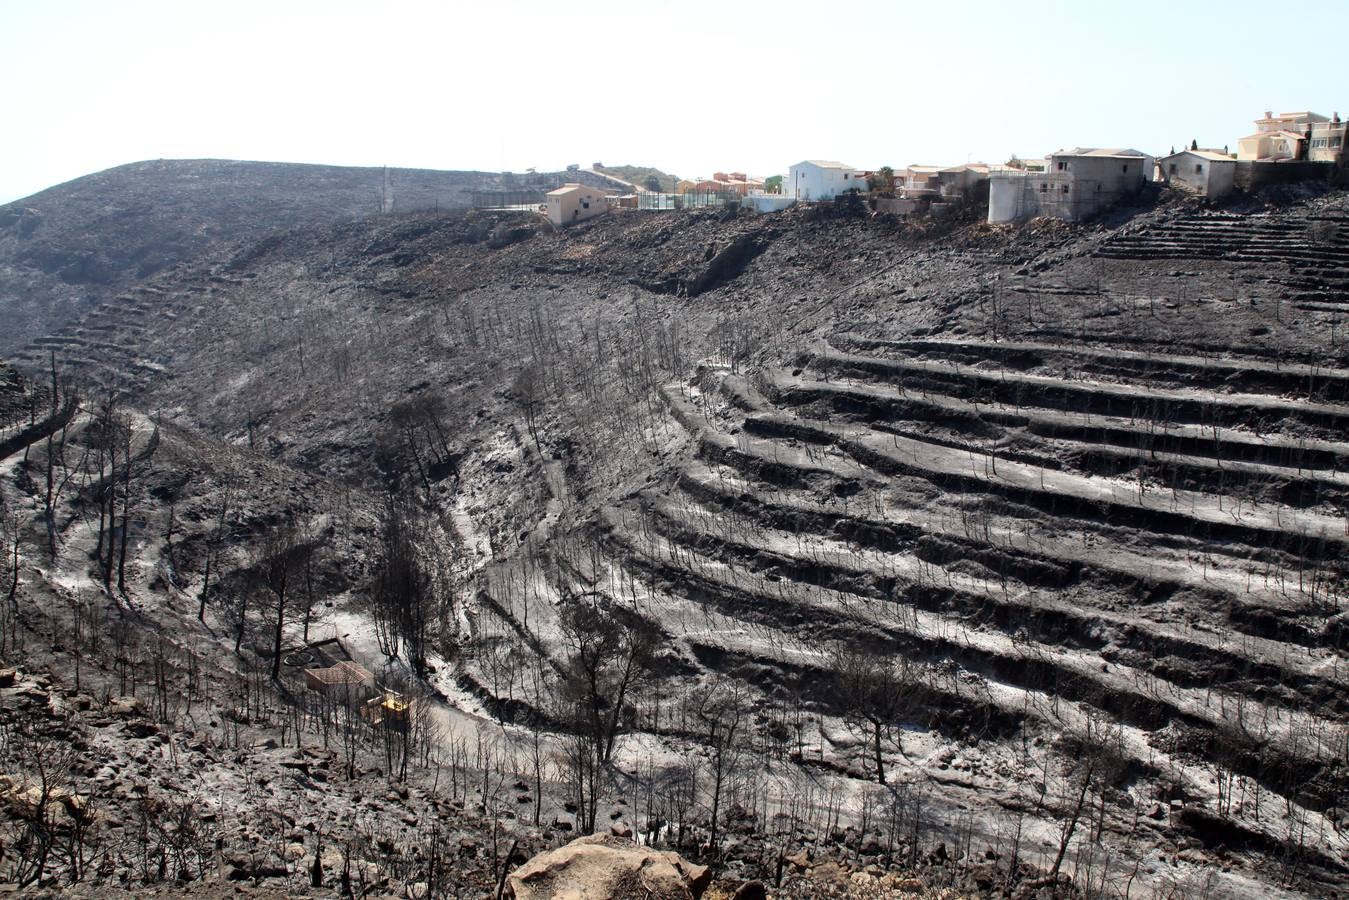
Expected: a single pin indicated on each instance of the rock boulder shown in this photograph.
(599, 867)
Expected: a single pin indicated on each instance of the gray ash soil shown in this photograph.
(1086, 480)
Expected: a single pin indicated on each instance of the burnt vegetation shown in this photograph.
(1001, 559)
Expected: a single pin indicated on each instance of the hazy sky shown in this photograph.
(690, 87)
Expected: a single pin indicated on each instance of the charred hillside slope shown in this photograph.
(68, 247)
(1001, 557)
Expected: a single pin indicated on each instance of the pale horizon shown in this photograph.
(687, 88)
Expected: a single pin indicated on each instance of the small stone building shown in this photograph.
(574, 203)
(1207, 173)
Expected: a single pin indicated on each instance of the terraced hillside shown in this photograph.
(1016, 552)
(1051, 537)
(1308, 254)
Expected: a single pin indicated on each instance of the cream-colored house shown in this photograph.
(1278, 137)
(1271, 145)
(573, 203)
(1294, 135)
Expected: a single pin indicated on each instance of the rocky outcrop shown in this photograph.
(725, 264)
(601, 866)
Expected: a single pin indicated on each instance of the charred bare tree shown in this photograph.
(213, 547)
(723, 709)
(284, 557)
(609, 655)
(1092, 756)
(876, 694)
(50, 496)
(402, 590)
(528, 391)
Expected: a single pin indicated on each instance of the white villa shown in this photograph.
(822, 179)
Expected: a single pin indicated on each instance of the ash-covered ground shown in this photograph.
(846, 554)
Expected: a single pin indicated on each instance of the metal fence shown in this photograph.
(508, 199)
(690, 200)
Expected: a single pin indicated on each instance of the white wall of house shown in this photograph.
(1005, 193)
(761, 202)
(809, 181)
(1276, 145)
(1013, 197)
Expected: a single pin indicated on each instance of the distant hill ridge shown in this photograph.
(68, 247)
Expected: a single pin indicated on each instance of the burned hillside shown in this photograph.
(991, 558)
(68, 248)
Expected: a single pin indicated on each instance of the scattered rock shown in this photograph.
(602, 866)
(126, 707)
(751, 890)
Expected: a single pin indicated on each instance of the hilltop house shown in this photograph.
(1278, 137)
(575, 203)
(1293, 136)
(1208, 173)
(1075, 185)
(822, 179)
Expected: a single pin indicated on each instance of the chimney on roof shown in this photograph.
(1269, 114)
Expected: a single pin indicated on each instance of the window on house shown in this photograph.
(1044, 188)
(1126, 168)
(1065, 188)
(585, 204)
(1174, 167)
(1063, 166)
